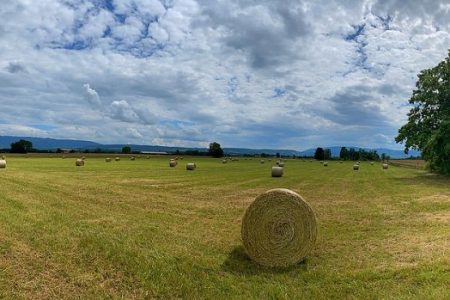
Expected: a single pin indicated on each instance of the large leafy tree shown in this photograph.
(319, 154)
(22, 146)
(215, 150)
(427, 128)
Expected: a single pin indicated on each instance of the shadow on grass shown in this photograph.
(425, 178)
(239, 263)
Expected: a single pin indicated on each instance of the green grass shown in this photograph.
(139, 229)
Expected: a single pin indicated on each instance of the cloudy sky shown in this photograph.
(245, 73)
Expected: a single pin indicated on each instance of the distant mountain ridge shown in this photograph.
(80, 145)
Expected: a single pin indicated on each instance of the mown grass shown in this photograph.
(139, 229)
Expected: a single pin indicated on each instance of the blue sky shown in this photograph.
(260, 74)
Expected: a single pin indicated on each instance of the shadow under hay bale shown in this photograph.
(239, 263)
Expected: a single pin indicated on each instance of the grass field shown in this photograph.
(139, 229)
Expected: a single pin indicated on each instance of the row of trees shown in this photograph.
(349, 154)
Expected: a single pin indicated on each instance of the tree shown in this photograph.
(278, 155)
(126, 149)
(22, 146)
(320, 154)
(215, 150)
(343, 154)
(428, 119)
(327, 154)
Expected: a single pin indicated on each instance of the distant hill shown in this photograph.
(80, 145)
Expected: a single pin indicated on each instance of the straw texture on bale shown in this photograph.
(108, 159)
(279, 229)
(173, 163)
(190, 166)
(385, 166)
(2, 164)
(356, 167)
(277, 171)
(79, 162)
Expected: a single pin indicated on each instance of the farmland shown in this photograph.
(139, 229)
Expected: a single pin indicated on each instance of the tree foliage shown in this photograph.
(126, 149)
(428, 119)
(215, 150)
(319, 154)
(22, 146)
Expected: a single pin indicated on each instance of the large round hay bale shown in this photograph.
(385, 166)
(2, 164)
(355, 167)
(79, 162)
(277, 171)
(108, 159)
(191, 166)
(279, 229)
(172, 163)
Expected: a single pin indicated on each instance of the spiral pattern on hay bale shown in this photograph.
(2, 164)
(279, 228)
(277, 171)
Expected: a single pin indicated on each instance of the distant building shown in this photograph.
(154, 153)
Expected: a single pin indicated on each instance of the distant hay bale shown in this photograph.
(277, 171)
(147, 157)
(325, 164)
(181, 157)
(132, 158)
(341, 162)
(321, 162)
(108, 159)
(117, 158)
(83, 157)
(280, 163)
(2, 164)
(385, 166)
(371, 163)
(79, 162)
(224, 161)
(262, 161)
(355, 167)
(279, 229)
(191, 166)
(3, 157)
(172, 163)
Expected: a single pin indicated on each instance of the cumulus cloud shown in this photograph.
(268, 73)
(91, 95)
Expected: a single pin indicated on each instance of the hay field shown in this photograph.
(140, 229)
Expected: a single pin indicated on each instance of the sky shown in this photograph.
(245, 73)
